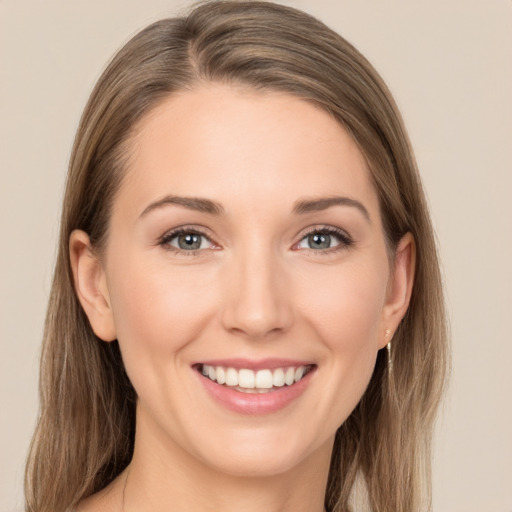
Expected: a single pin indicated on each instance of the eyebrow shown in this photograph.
(192, 203)
(213, 208)
(323, 203)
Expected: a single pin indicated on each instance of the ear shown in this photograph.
(91, 285)
(399, 290)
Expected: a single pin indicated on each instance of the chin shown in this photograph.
(260, 466)
(261, 456)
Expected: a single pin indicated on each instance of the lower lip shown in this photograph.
(255, 403)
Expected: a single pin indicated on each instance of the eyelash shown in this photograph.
(345, 241)
(165, 240)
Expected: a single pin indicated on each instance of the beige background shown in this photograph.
(449, 64)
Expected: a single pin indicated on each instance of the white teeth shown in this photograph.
(246, 379)
(289, 376)
(264, 379)
(221, 375)
(259, 381)
(231, 377)
(278, 378)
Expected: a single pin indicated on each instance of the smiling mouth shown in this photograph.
(250, 381)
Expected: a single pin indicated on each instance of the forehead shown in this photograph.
(242, 148)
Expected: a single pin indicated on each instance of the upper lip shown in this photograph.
(255, 364)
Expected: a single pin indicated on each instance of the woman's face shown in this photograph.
(246, 243)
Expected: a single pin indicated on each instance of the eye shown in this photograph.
(322, 239)
(186, 240)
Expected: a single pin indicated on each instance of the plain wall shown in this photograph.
(449, 65)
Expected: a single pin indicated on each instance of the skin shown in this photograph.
(255, 289)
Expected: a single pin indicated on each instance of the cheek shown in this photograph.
(347, 308)
(345, 314)
(156, 313)
(155, 304)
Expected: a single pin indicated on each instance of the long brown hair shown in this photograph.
(85, 434)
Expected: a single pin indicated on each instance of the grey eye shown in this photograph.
(319, 240)
(189, 241)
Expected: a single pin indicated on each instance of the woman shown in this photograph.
(247, 308)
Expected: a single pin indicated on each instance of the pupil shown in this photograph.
(189, 241)
(318, 241)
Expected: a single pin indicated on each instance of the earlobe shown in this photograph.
(91, 286)
(399, 288)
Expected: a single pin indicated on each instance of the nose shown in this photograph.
(257, 300)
